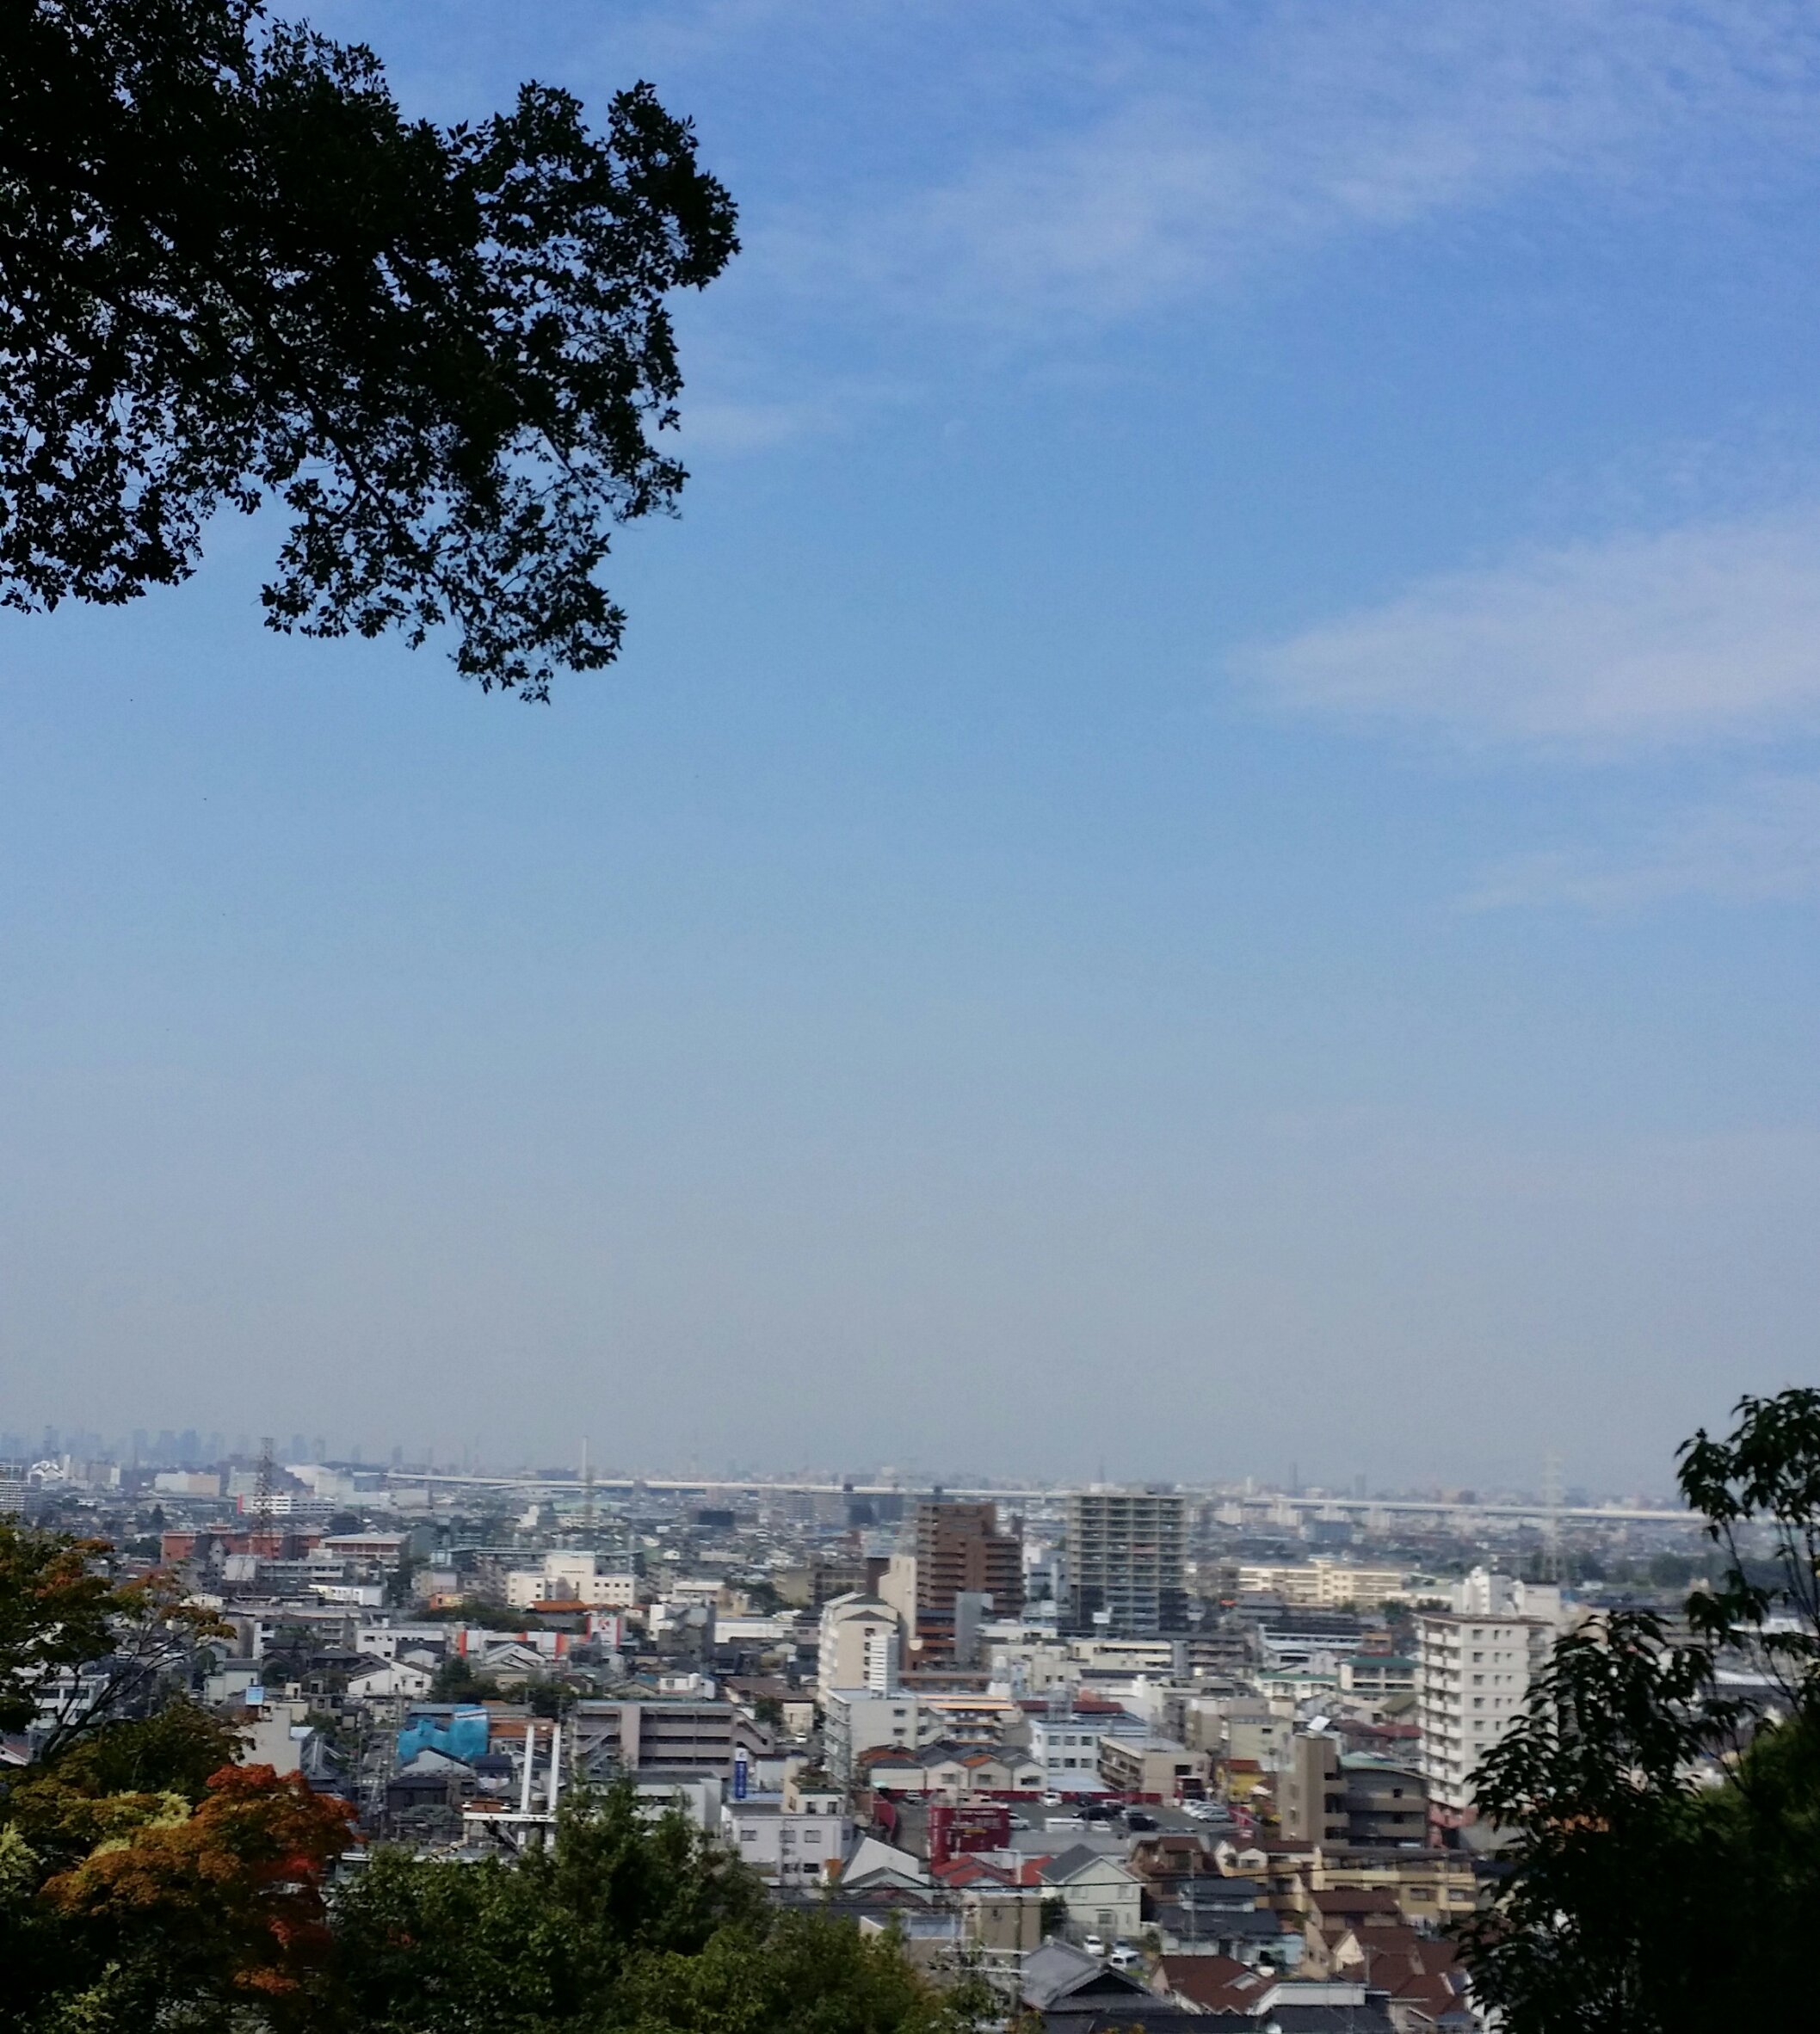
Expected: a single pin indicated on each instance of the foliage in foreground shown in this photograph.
(230, 269)
(147, 1882)
(1664, 1811)
(61, 1609)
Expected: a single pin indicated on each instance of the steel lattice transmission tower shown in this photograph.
(263, 1497)
(1551, 1516)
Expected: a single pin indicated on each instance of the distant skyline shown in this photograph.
(193, 1447)
(1205, 853)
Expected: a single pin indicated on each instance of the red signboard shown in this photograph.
(955, 1828)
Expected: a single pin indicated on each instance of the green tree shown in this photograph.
(56, 1606)
(205, 1920)
(60, 1608)
(625, 1925)
(177, 1750)
(805, 1975)
(1664, 1815)
(135, 1894)
(231, 270)
(205, 1909)
(455, 1681)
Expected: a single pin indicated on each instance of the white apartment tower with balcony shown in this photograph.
(1475, 1662)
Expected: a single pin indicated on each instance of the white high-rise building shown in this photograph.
(860, 1644)
(1475, 1662)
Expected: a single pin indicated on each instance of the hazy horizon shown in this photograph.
(1204, 855)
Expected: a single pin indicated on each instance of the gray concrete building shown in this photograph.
(1127, 1561)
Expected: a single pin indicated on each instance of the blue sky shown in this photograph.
(1203, 852)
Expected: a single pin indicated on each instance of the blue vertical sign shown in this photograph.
(739, 1776)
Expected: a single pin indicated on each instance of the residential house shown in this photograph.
(376, 1678)
(1102, 1894)
(1072, 1993)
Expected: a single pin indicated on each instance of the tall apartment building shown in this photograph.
(961, 1552)
(1474, 1665)
(860, 1645)
(1127, 1559)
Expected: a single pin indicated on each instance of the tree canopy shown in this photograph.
(1662, 1789)
(232, 271)
(61, 1609)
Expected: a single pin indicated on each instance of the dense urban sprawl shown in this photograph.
(1122, 1755)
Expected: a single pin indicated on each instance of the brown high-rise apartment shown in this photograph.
(959, 1548)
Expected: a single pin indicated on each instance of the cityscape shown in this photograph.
(909, 1017)
(1218, 1744)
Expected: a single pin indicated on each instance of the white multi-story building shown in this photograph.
(1474, 1665)
(1068, 1749)
(854, 1721)
(860, 1643)
(1126, 1563)
(1324, 1583)
(801, 1836)
(571, 1577)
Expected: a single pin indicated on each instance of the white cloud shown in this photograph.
(1160, 150)
(1637, 641)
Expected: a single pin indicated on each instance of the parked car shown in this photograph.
(1135, 1818)
(1093, 1944)
(1125, 1956)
